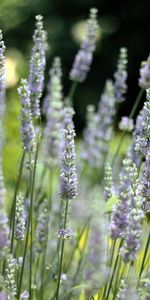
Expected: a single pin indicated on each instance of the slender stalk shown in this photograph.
(113, 273)
(145, 254)
(72, 91)
(13, 208)
(131, 115)
(45, 250)
(62, 251)
(112, 251)
(28, 227)
(67, 267)
(31, 227)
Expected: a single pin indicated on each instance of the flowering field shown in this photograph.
(75, 225)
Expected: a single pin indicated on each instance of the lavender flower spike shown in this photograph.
(121, 211)
(142, 132)
(144, 81)
(42, 227)
(54, 117)
(27, 129)
(120, 76)
(68, 178)
(126, 124)
(20, 220)
(2, 63)
(84, 57)
(10, 282)
(134, 226)
(4, 229)
(37, 66)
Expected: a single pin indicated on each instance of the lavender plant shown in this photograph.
(100, 249)
(84, 57)
(37, 66)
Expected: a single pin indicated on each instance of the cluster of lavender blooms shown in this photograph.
(120, 76)
(141, 134)
(20, 219)
(24, 295)
(146, 285)
(4, 228)
(96, 258)
(145, 184)
(84, 57)
(133, 230)
(2, 64)
(108, 182)
(27, 129)
(10, 277)
(54, 116)
(144, 81)
(99, 128)
(65, 233)
(37, 66)
(126, 124)
(2, 88)
(121, 295)
(68, 178)
(121, 211)
(42, 227)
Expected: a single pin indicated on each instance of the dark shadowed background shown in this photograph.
(122, 23)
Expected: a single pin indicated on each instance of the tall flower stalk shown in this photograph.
(54, 117)
(99, 129)
(84, 57)
(37, 66)
(68, 188)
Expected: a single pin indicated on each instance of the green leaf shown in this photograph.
(110, 203)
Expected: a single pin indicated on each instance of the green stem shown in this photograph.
(145, 254)
(62, 251)
(31, 227)
(13, 208)
(72, 91)
(46, 243)
(113, 273)
(28, 227)
(67, 267)
(131, 115)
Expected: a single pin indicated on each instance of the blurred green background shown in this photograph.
(122, 23)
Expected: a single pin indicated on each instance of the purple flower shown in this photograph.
(120, 76)
(134, 225)
(4, 233)
(145, 184)
(27, 129)
(84, 57)
(68, 177)
(24, 295)
(2, 63)
(37, 66)
(108, 187)
(144, 81)
(126, 124)
(121, 295)
(121, 211)
(4, 229)
(96, 261)
(42, 227)
(10, 276)
(3, 296)
(20, 221)
(99, 128)
(142, 131)
(64, 233)
(53, 139)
